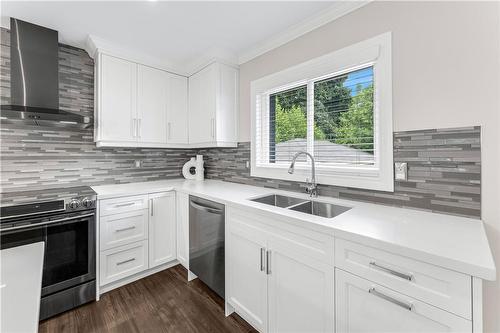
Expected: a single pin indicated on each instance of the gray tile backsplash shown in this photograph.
(444, 165)
(35, 157)
(444, 172)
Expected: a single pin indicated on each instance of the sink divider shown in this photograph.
(297, 204)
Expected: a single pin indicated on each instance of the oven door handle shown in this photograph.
(46, 223)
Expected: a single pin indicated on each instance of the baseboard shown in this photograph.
(104, 289)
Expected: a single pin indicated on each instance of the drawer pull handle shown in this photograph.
(262, 254)
(124, 262)
(408, 277)
(407, 306)
(125, 204)
(125, 229)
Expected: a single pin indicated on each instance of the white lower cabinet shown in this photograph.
(123, 261)
(162, 236)
(300, 290)
(123, 228)
(247, 275)
(274, 285)
(183, 228)
(364, 306)
(136, 234)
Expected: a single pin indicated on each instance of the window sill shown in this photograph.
(365, 179)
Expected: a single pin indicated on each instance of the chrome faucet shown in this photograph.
(312, 187)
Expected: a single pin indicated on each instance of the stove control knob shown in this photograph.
(74, 204)
(87, 203)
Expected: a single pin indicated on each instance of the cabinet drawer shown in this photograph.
(121, 205)
(443, 288)
(122, 229)
(123, 261)
(364, 306)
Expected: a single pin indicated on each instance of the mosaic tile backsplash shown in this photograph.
(444, 172)
(444, 165)
(35, 157)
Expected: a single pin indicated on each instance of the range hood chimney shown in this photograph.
(34, 64)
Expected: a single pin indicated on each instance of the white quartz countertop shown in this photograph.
(20, 287)
(456, 243)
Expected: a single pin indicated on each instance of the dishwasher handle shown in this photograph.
(205, 208)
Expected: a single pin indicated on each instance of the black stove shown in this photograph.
(64, 219)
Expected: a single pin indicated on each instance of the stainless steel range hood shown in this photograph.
(34, 64)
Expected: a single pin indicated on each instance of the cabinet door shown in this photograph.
(300, 290)
(247, 276)
(117, 96)
(177, 109)
(183, 229)
(202, 99)
(161, 228)
(226, 126)
(363, 306)
(151, 105)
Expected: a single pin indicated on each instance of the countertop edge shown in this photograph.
(480, 271)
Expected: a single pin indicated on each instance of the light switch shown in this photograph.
(401, 171)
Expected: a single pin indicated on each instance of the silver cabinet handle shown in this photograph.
(133, 127)
(139, 128)
(125, 229)
(268, 262)
(205, 208)
(169, 130)
(262, 254)
(212, 127)
(407, 306)
(125, 204)
(408, 277)
(124, 262)
(151, 202)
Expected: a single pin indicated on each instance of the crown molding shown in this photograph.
(337, 10)
(95, 44)
(209, 56)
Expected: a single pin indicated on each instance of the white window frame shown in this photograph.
(374, 52)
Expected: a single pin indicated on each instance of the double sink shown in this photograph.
(311, 207)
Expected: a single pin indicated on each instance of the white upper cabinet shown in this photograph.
(152, 86)
(142, 106)
(139, 106)
(213, 107)
(116, 102)
(177, 109)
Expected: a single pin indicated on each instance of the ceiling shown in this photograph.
(181, 34)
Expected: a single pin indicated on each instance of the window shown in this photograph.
(336, 107)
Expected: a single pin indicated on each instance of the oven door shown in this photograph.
(69, 254)
(69, 257)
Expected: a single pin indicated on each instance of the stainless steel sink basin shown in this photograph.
(322, 209)
(279, 200)
(317, 208)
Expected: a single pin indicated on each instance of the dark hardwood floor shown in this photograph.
(163, 302)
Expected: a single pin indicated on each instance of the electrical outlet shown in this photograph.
(401, 171)
(138, 163)
(247, 164)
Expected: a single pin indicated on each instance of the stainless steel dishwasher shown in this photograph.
(206, 242)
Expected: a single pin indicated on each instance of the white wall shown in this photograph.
(446, 73)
